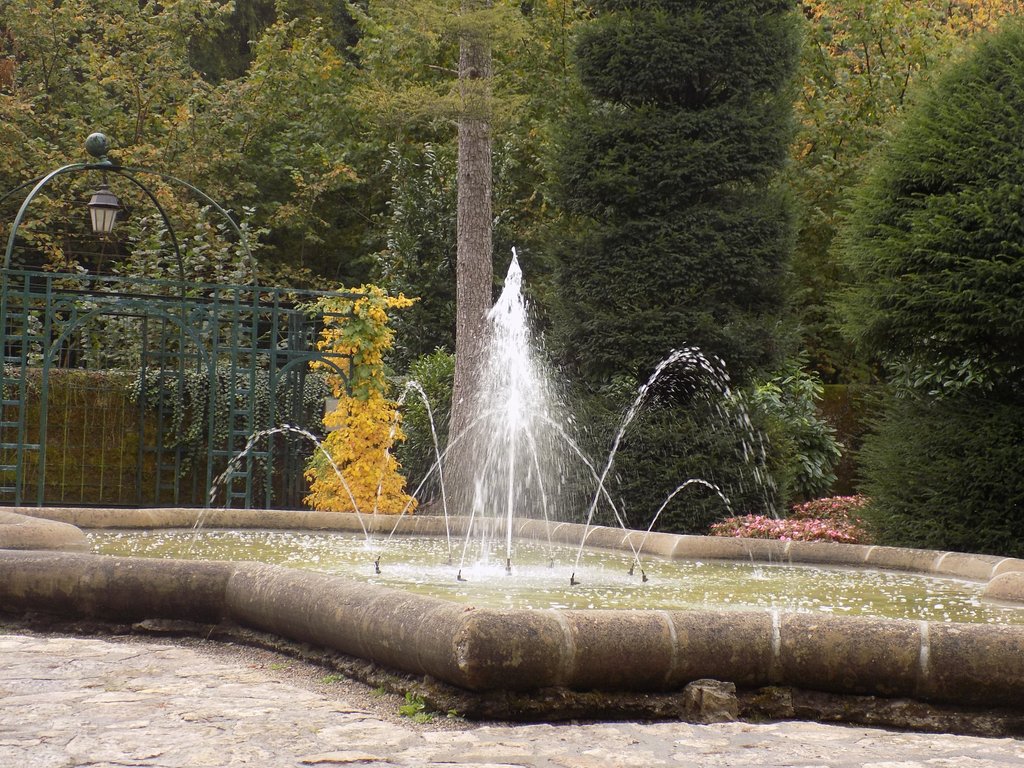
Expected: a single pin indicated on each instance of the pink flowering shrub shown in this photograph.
(832, 508)
(832, 519)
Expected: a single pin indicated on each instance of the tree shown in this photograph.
(413, 105)
(680, 235)
(934, 242)
(269, 140)
(71, 71)
(859, 63)
(473, 261)
(670, 172)
(361, 474)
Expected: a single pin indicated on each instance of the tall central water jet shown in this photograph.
(516, 435)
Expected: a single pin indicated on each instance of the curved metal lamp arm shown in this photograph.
(126, 172)
(31, 196)
(163, 215)
(23, 185)
(242, 239)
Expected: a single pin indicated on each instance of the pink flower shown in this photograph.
(818, 520)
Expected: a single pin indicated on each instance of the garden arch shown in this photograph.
(145, 392)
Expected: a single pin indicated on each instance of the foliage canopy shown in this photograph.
(935, 238)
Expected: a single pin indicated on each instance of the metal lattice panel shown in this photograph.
(207, 367)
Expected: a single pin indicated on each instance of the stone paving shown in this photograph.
(68, 702)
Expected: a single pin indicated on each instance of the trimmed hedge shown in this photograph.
(947, 474)
(679, 235)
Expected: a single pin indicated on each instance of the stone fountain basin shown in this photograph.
(488, 650)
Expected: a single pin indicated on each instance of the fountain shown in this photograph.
(556, 661)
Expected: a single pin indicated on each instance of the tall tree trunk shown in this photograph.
(474, 269)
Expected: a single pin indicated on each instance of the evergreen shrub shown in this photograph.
(435, 374)
(947, 474)
(936, 246)
(679, 437)
(677, 235)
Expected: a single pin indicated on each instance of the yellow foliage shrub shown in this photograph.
(366, 424)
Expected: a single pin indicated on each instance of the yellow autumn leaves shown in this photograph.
(365, 425)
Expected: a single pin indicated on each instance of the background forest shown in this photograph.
(673, 174)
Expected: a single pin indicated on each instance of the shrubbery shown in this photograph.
(935, 245)
(434, 373)
(948, 474)
(362, 474)
(668, 170)
(803, 445)
(677, 235)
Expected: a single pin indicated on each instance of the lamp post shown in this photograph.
(104, 205)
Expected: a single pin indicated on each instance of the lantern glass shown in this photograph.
(103, 208)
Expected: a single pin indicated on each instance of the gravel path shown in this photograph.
(72, 702)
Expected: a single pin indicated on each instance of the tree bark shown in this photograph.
(474, 267)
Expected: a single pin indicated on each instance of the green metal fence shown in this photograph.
(144, 392)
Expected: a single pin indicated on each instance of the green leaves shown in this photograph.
(275, 139)
(934, 237)
(934, 245)
(947, 473)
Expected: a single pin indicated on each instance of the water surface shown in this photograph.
(420, 564)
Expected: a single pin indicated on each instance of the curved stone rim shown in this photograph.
(975, 567)
(484, 650)
(18, 531)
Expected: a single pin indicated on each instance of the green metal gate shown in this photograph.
(146, 392)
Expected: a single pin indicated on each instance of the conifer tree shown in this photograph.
(681, 235)
(670, 172)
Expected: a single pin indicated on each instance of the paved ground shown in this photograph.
(103, 703)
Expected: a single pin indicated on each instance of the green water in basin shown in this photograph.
(420, 564)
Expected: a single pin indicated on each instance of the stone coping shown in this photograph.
(486, 650)
(997, 571)
(24, 532)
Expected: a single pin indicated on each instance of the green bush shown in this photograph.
(947, 474)
(804, 445)
(678, 233)
(935, 245)
(934, 239)
(677, 437)
(434, 373)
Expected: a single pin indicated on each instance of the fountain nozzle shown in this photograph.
(643, 573)
(572, 580)
(508, 566)
(458, 576)
(631, 567)
(376, 565)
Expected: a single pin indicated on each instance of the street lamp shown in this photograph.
(103, 208)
